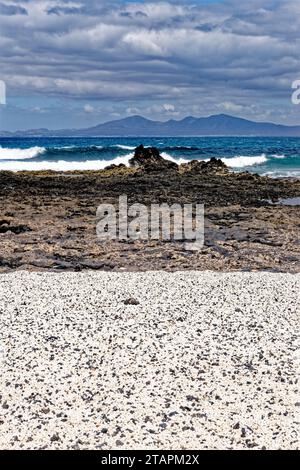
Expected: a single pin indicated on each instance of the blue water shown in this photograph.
(267, 156)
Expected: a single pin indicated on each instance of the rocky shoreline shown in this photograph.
(48, 219)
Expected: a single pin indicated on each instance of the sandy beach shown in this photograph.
(194, 360)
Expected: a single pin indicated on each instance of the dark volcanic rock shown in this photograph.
(131, 301)
(245, 175)
(17, 229)
(149, 159)
(114, 167)
(213, 166)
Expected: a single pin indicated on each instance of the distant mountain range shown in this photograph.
(137, 126)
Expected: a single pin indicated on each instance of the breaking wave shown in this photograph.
(125, 147)
(280, 157)
(179, 161)
(21, 154)
(241, 161)
(63, 165)
(233, 162)
(283, 174)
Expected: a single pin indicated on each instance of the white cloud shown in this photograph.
(169, 107)
(231, 107)
(88, 108)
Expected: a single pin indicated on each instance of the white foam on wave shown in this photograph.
(63, 165)
(283, 174)
(75, 147)
(66, 147)
(8, 163)
(280, 157)
(179, 161)
(125, 147)
(20, 154)
(242, 161)
(234, 162)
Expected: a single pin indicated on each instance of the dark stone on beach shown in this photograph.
(131, 301)
(3, 262)
(9, 263)
(55, 438)
(96, 265)
(17, 229)
(191, 398)
(149, 159)
(4, 222)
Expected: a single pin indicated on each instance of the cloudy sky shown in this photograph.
(78, 63)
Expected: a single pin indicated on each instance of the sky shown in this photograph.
(72, 64)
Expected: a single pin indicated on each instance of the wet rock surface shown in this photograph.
(196, 361)
(48, 220)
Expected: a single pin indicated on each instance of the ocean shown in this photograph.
(275, 157)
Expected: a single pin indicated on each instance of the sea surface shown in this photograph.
(275, 157)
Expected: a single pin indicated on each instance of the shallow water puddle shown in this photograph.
(290, 201)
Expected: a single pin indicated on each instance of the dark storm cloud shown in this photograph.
(10, 10)
(66, 11)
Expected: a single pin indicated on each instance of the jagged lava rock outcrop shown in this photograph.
(214, 165)
(150, 160)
